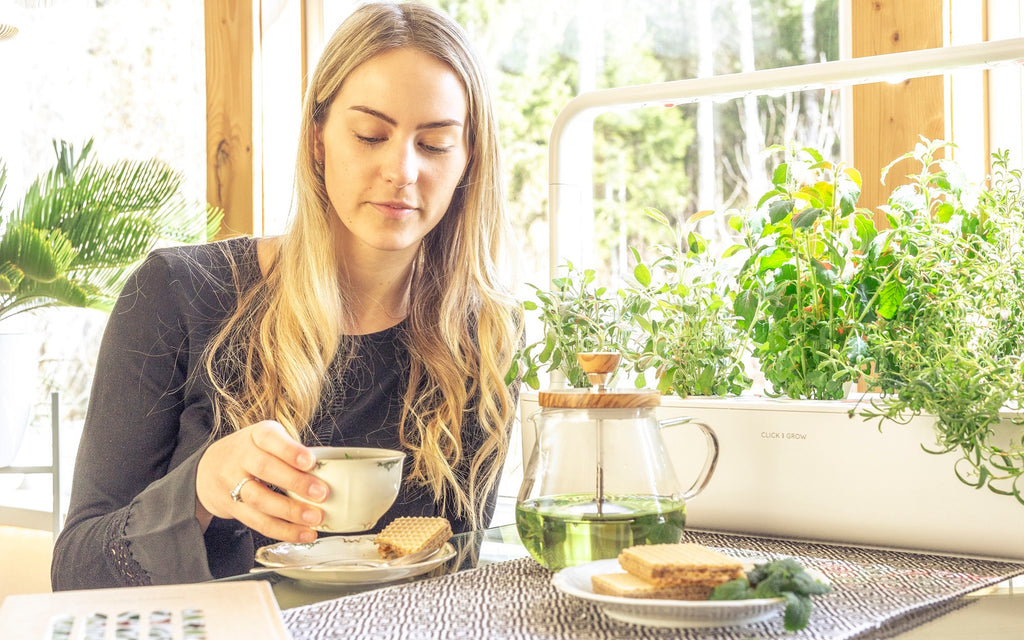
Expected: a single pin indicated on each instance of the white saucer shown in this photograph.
(286, 554)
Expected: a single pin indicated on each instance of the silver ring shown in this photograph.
(236, 493)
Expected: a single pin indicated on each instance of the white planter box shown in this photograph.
(804, 469)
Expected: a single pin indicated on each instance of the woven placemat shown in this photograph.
(876, 594)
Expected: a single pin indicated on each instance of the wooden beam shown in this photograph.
(887, 119)
(233, 176)
(312, 37)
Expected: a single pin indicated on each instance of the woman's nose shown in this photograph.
(400, 166)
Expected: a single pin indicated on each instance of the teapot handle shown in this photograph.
(710, 462)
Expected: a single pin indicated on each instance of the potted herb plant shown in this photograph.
(948, 340)
(798, 295)
(683, 307)
(578, 315)
(673, 321)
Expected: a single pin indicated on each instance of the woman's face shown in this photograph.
(394, 147)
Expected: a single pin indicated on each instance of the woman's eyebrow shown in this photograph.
(388, 119)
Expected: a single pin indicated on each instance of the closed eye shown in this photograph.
(435, 149)
(370, 139)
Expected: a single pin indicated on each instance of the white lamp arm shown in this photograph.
(565, 188)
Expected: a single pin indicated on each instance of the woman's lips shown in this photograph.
(394, 210)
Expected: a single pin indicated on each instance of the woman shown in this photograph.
(377, 320)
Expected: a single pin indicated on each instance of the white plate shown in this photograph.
(338, 548)
(575, 581)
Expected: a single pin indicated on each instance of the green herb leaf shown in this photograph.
(798, 611)
(780, 175)
(779, 209)
(806, 218)
(777, 579)
(746, 306)
(738, 589)
(642, 274)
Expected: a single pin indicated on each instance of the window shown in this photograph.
(1006, 83)
(128, 74)
(680, 159)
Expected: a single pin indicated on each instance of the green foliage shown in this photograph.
(674, 319)
(947, 339)
(797, 292)
(525, 127)
(83, 224)
(627, 148)
(926, 310)
(578, 316)
(689, 337)
(641, 156)
(777, 579)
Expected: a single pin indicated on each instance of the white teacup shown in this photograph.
(363, 485)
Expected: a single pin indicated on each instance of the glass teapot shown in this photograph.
(599, 478)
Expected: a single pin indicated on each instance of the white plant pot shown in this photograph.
(19, 367)
(805, 469)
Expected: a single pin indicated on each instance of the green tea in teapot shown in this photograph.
(599, 478)
(568, 530)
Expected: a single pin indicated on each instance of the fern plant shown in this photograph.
(83, 225)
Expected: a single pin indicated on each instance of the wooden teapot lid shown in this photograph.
(598, 367)
(593, 399)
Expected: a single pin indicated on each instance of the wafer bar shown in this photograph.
(411, 535)
(673, 564)
(626, 585)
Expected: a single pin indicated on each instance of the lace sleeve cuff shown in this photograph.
(119, 554)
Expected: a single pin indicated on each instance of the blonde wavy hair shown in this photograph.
(463, 326)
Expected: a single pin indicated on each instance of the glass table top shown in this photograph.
(472, 549)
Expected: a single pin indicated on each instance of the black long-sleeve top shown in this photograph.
(132, 514)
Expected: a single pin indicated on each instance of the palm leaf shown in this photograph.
(61, 292)
(3, 186)
(190, 224)
(109, 240)
(129, 185)
(38, 254)
(97, 195)
(104, 282)
(82, 226)
(10, 277)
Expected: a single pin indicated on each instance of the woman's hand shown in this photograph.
(265, 453)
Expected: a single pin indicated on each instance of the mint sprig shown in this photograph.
(777, 579)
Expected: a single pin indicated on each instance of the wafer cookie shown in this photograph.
(673, 564)
(411, 535)
(625, 585)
